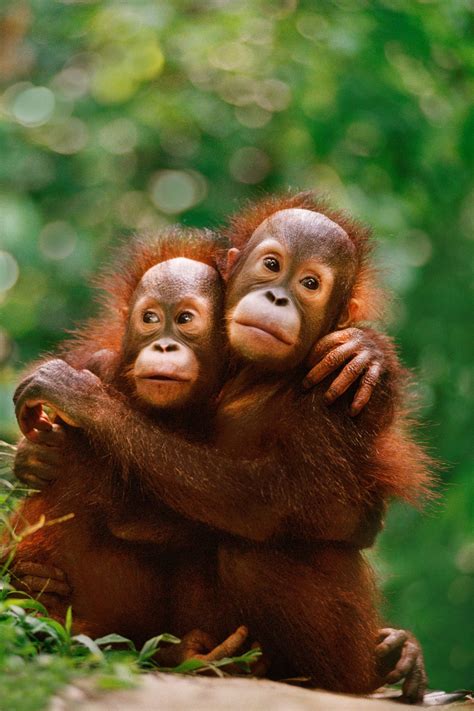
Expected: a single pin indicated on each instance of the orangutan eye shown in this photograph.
(310, 283)
(272, 264)
(151, 317)
(185, 317)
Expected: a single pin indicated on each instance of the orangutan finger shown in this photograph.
(197, 642)
(229, 646)
(366, 388)
(33, 584)
(41, 456)
(348, 376)
(51, 602)
(405, 664)
(48, 460)
(29, 567)
(53, 437)
(36, 478)
(28, 477)
(383, 633)
(414, 686)
(390, 640)
(333, 360)
(42, 464)
(332, 340)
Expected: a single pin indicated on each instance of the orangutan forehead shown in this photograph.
(307, 234)
(178, 276)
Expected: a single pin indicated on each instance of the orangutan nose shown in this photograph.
(165, 345)
(274, 297)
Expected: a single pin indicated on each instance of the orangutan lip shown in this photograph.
(275, 333)
(163, 378)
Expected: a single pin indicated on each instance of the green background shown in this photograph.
(118, 116)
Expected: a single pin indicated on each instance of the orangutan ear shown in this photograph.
(350, 314)
(124, 314)
(232, 256)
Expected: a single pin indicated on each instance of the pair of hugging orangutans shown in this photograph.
(214, 482)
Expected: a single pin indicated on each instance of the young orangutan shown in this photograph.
(310, 474)
(170, 366)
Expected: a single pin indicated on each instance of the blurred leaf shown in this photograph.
(114, 639)
(153, 644)
(89, 643)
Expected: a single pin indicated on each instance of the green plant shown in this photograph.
(38, 655)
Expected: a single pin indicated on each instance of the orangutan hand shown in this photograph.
(41, 581)
(400, 658)
(52, 384)
(360, 357)
(38, 464)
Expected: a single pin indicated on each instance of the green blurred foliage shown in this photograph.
(117, 116)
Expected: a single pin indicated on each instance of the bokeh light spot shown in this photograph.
(418, 248)
(363, 138)
(313, 27)
(131, 207)
(111, 85)
(57, 240)
(146, 60)
(465, 558)
(252, 116)
(461, 590)
(34, 107)
(180, 144)
(73, 82)
(9, 271)
(119, 136)
(231, 56)
(67, 137)
(175, 191)
(237, 90)
(273, 95)
(249, 165)
(258, 30)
